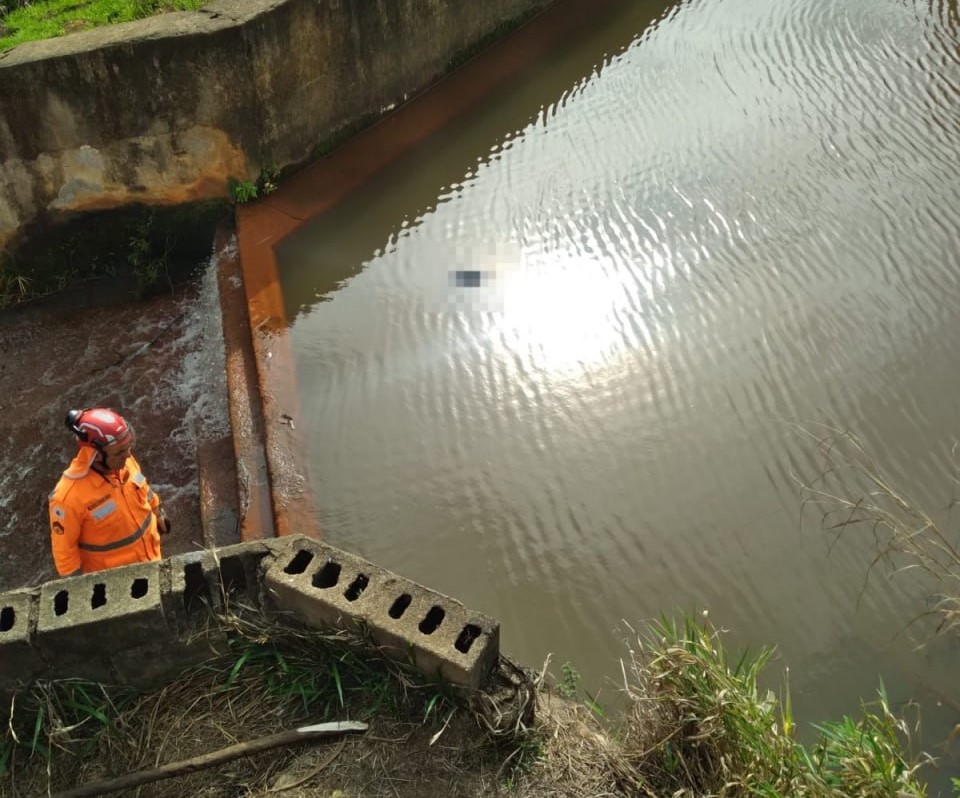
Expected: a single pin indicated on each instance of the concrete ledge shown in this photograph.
(102, 611)
(328, 588)
(245, 403)
(142, 624)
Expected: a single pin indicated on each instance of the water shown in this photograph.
(158, 362)
(684, 233)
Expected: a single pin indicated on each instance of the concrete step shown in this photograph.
(219, 494)
(255, 509)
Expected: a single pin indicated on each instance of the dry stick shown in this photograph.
(213, 759)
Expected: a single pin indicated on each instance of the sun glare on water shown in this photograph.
(559, 313)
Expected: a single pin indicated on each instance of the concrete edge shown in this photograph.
(141, 624)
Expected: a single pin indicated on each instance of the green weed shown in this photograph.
(569, 683)
(242, 191)
(68, 713)
(863, 756)
(13, 287)
(147, 260)
(269, 177)
(524, 752)
(321, 679)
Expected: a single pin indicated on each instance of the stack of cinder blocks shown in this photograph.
(143, 623)
(327, 588)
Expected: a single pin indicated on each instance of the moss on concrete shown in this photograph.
(505, 27)
(146, 248)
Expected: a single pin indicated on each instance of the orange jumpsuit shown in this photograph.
(99, 521)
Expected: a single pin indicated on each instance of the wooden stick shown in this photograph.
(212, 759)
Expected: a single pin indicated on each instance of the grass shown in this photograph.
(47, 19)
(698, 725)
(64, 733)
(853, 494)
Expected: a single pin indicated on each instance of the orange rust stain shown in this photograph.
(213, 155)
(259, 228)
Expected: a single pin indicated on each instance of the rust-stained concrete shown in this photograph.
(164, 110)
(255, 518)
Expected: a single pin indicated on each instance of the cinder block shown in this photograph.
(327, 588)
(101, 612)
(445, 639)
(239, 570)
(190, 585)
(305, 582)
(20, 662)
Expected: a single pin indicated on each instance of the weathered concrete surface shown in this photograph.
(164, 110)
(244, 401)
(18, 612)
(141, 623)
(327, 588)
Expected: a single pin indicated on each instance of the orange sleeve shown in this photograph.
(65, 524)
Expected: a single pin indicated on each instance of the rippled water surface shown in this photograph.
(693, 226)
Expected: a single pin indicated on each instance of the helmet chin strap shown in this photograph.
(99, 463)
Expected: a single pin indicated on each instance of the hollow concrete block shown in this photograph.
(444, 638)
(190, 588)
(299, 582)
(20, 661)
(193, 604)
(102, 612)
(239, 569)
(327, 588)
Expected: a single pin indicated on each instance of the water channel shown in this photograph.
(552, 360)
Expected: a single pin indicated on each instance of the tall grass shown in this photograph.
(700, 725)
(852, 494)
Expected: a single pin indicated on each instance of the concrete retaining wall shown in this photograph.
(164, 110)
(139, 624)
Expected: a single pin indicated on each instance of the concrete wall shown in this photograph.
(140, 624)
(164, 110)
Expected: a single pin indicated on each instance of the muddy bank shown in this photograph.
(158, 361)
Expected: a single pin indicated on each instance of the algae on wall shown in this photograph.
(147, 248)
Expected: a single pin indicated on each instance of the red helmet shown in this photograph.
(99, 426)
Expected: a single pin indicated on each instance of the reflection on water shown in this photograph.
(692, 227)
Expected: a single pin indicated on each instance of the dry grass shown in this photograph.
(422, 736)
(697, 725)
(852, 493)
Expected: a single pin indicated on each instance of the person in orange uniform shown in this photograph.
(102, 512)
